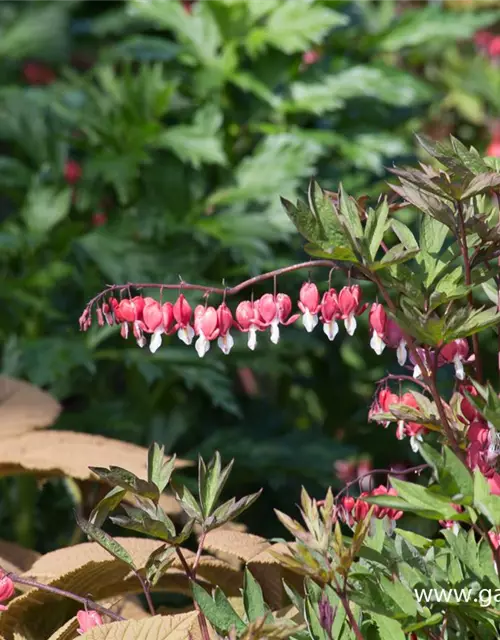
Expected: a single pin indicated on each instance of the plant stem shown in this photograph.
(191, 575)
(62, 592)
(146, 587)
(227, 291)
(342, 594)
(462, 241)
(391, 376)
(389, 472)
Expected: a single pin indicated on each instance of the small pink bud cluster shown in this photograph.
(413, 430)
(353, 510)
(88, 620)
(6, 589)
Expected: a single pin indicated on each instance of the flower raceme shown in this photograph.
(88, 620)
(385, 399)
(355, 510)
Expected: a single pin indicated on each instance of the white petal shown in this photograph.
(225, 343)
(309, 320)
(275, 332)
(331, 329)
(402, 353)
(414, 444)
(350, 324)
(186, 334)
(417, 371)
(459, 367)
(141, 341)
(456, 528)
(400, 430)
(155, 342)
(252, 337)
(202, 345)
(377, 344)
(109, 319)
(389, 526)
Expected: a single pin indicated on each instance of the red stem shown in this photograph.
(62, 592)
(389, 472)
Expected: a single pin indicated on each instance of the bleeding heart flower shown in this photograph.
(88, 620)
(206, 326)
(394, 339)
(274, 310)
(456, 352)
(377, 321)
(309, 305)
(248, 320)
(225, 320)
(182, 314)
(330, 312)
(349, 306)
(158, 320)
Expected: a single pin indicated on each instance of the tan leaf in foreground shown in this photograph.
(178, 627)
(255, 552)
(70, 454)
(87, 570)
(24, 407)
(15, 558)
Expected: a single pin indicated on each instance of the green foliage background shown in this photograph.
(188, 127)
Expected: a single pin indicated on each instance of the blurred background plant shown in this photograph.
(150, 140)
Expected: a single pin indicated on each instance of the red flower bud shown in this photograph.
(72, 172)
(225, 321)
(6, 589)
(309, 305)
(182, 314)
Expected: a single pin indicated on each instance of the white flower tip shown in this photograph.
(350, 324)
(202, 346)
(417, 371)
(225, 343)
(309, 320)
(186, 334)
(331, 329)
(401, 353)
(414, 444)
(252, 338)
(459, 368)
(275, 333)
(377, 344)
(155, 342)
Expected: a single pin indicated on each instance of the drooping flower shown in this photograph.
(469, 411)
(349, 301)
(225, 320)
(88, 620)
(99, 218)
(454, 525)
(381, 512)
(39, 74)
(330, 313)
(494, 536)
(182, 314)
(158, 320)
(394, 339)
(377, 320)
(309, 305)
(6, 589)
(206, 326)
(248, 320)
(274, 310)
(456, 352)
(130, 310)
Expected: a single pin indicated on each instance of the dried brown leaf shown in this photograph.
(177, 627)
(236, 543)
(15, 558)
(89, 571)
(24, 407)
(70, 454)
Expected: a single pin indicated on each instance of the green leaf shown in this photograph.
(486, 503)
(465, 323)
(324, 212)
(432, 234)
(217, 610)
(293, 26)
(187, 502)
(376, 225)
(350, 213)
(159, 471)
(481, 183)
(107, 542)
(430, 24)
(388, 628)
(198, 143)
(421, 498)
(45, 207)
(119, 477)
(231, 510)
(404, 234)
(253, 598)
(110, 501)
(304, 221)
